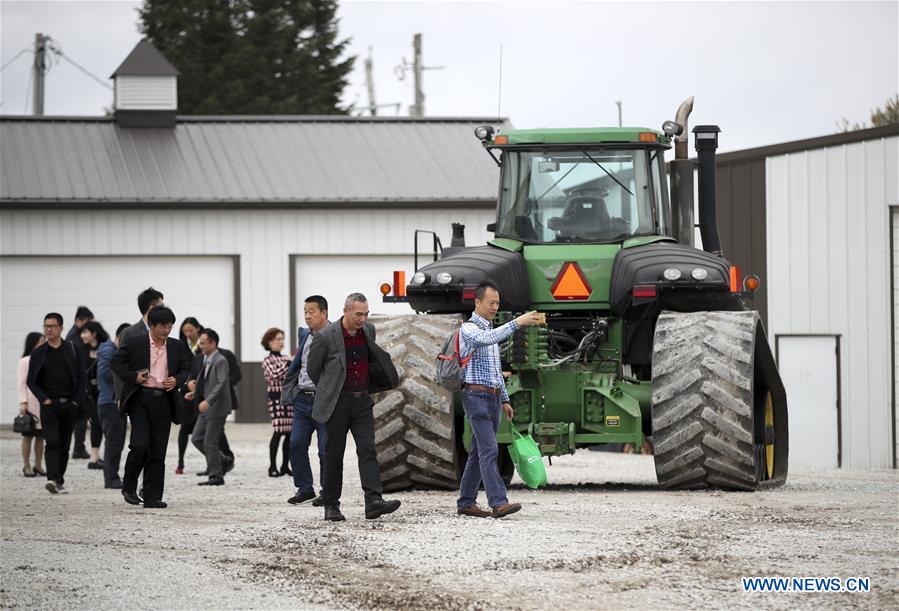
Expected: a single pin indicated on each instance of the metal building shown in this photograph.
(234, 219)
(818, 221)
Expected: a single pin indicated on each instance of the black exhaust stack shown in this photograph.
(458, 240)
(706, 144)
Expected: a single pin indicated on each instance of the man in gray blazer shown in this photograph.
(346, 365)
(213, 395)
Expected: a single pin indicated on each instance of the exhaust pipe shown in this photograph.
(458, 239)
(682, 178)
(706, 141)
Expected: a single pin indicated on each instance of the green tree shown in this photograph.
(251, 56)
(887, 115)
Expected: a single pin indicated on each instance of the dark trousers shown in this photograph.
(151, 421)
(114, 424)
(300, 438)
(93, 416)
(57, 423)
(351, 415)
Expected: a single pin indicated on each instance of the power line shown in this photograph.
(14, 58)
(84, 70)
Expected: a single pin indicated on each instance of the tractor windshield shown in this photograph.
(582, 195)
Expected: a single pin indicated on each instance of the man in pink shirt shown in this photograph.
(151, 367)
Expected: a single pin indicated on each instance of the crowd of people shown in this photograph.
(147, 378)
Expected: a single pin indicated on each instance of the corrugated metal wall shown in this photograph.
(263, 239)
(828, 272)
(741, 222)
(894, 214)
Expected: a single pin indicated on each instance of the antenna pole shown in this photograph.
(499, 96)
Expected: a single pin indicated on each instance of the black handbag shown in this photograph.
(25, 424)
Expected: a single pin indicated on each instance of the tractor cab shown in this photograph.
(607, 190)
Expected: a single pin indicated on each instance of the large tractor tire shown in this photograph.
(415, 432)
(719, 410)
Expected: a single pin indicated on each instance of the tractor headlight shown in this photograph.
(672, 273)
(483, 132)
(700, 273)
(672, 129)
(419, 278)
(444, 278)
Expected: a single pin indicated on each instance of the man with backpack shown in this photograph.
(484, 396)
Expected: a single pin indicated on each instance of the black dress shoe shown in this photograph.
(227, 464)
(378, 508)
(285, 469)
(155, 505)
(131, 498)
(80, 454)
(202, 473)
(317, 501)
(332, 514)
(115, 484)
(95, 464)
(213, 481)
(301, 497)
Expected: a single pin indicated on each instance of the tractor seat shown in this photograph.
(585, 217)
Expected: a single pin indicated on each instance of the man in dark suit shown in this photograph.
(57, 377)
(151, 367)
(146, 301)
(346, 365)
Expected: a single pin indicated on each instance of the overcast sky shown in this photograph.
(764, 72)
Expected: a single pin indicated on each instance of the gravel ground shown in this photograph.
(602, 535)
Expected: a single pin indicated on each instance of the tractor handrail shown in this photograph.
(438, 246)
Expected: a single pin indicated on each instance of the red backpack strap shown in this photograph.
(462, 361)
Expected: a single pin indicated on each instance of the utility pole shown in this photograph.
(39, 69)
(419, 109)
(619, 112)
(418, 68)
(370, 82)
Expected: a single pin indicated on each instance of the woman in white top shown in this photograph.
(28, 404)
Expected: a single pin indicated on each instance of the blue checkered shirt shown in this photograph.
(485, 367)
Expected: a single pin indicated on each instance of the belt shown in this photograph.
(60, 399)
(155, 392)
(356, 394)
(307, 391)
(482, 388)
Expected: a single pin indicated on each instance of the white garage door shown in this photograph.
(336, 276)
(202, 287)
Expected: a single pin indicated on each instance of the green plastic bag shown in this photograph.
(527, 458)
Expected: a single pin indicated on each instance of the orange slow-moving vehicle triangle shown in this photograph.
(570, 284)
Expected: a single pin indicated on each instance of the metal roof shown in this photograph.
(245, 161)
(145, 60)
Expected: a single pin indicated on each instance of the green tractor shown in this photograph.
(646, 336)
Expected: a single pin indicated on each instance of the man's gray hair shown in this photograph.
(353, 298)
